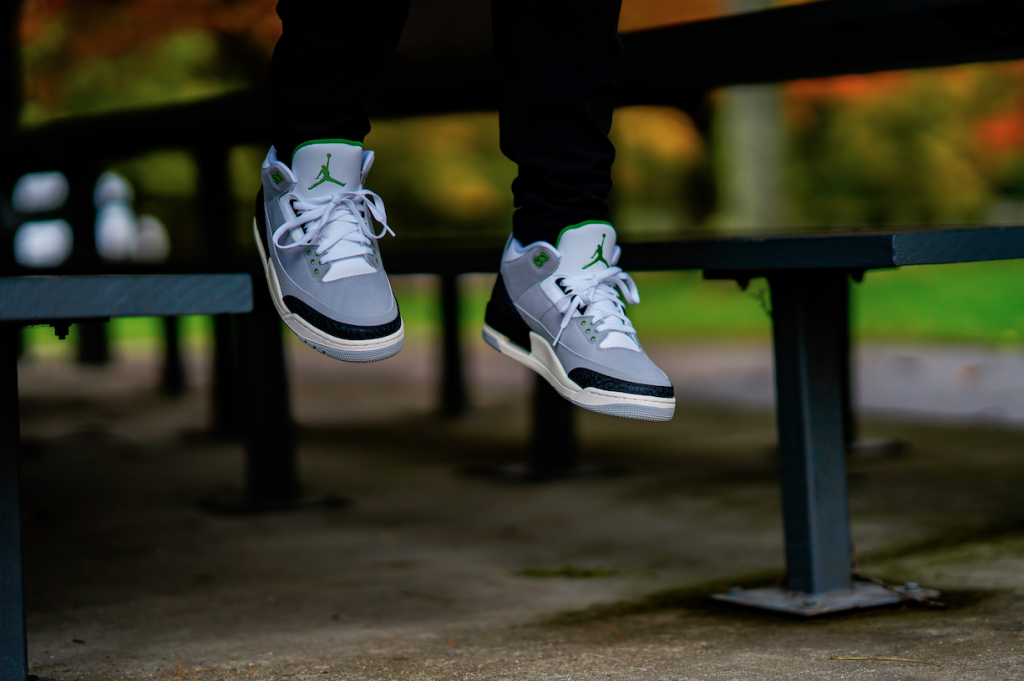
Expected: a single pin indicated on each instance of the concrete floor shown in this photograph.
(434, 574)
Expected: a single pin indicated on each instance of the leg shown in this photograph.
(172, 379)
(453, 381)
(324, 67)
(556, 65)
(810, 337)
(809, 316)
(226, 416)
(554, 452)
(13, 657)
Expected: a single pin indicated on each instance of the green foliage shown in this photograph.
(902, 148)
(179, 67)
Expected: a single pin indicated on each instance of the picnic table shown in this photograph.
(677, 66)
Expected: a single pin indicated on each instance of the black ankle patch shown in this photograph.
(503, 317)
(261, 222)
(337, 329)
(586, 378)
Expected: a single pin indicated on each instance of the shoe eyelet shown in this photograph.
(316, 271)
(312, 261)
(309, 252)
(583, 322)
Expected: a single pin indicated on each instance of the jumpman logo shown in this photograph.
(325, 175)
(598, 254)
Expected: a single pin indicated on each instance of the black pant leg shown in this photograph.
(325, 63)
(556, 65)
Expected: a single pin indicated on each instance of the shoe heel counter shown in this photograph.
(502, 316)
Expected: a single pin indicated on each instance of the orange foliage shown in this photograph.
(637, 15)
(1003, 132)
(110, 29)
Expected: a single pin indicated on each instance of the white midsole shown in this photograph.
(544, 361)
(307, 331)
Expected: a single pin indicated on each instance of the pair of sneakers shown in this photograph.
(557, 308)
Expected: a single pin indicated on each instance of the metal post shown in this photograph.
(13, 653)
(172, 379)
(271, 474)
(225, 376)
(809, 313)
(553, 450)
(453, 382)
(810, 316)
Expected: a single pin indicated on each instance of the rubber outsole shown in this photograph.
(337, 348)
(542, 359)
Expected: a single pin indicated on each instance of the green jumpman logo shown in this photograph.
(325, 175)
(598, 254)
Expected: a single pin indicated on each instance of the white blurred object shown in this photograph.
(153, 243)
(112, 187)
(43, 243)
(117, 228)
(38, 192)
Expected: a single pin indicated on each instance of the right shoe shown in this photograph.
(316, 240)
(560, 311)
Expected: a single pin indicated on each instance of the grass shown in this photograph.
(964, 303)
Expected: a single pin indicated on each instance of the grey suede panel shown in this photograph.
(533, 303)
(364, 300)
(521, 274)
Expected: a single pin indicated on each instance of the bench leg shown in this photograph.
(809, 312)
(13, 655)
(554, 452)
(453, 381)
(225, 411)
(809, 315)
(265, 418)
(93, 344)
(172, 376)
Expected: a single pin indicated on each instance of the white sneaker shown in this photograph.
(557, 310)
(314, 231)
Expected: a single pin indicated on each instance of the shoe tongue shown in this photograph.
(326, 167)
(586, 248)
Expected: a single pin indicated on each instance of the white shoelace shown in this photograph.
(597, 293)
(342, 218)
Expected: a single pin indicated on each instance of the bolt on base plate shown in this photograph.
(862, 596)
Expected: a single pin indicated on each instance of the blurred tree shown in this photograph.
(926, 147)
(83, 55)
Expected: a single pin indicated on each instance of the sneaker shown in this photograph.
(316, 238)
(557, 310)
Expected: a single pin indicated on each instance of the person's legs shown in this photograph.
(556, 64)
(325, 63)
(558, 304)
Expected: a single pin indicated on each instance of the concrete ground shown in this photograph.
(431, 573)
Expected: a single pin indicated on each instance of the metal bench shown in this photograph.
(808, 274)
(62, 300)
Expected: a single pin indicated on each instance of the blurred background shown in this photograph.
(931, 147)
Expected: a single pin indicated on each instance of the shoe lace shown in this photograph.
(341, 219)
(599, 294)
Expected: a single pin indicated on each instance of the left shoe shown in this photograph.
(557, 310)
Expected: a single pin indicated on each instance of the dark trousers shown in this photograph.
(555, 61)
